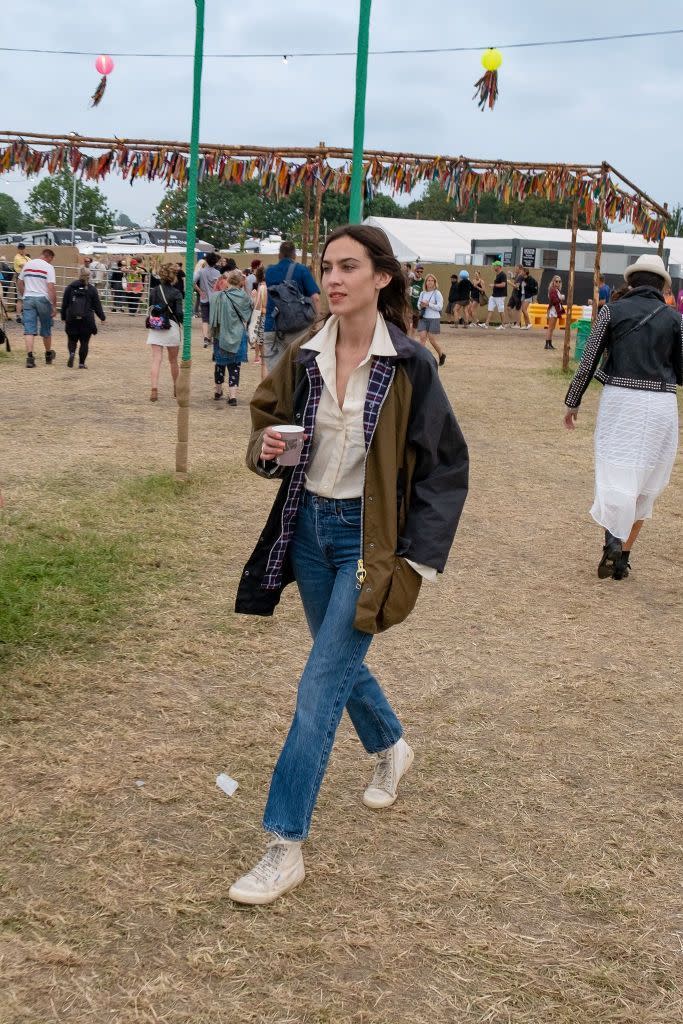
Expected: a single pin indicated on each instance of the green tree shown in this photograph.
(50, 203)
(124, 221)
(11, 215)
(535, 211)
(229, 213)
(674, 225)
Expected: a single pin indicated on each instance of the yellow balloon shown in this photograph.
(492, 59)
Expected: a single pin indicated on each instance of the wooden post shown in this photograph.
(306, 226)
(316, 225)
(596, 271)
(570, 287)
(661, 238)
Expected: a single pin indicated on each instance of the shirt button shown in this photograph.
(370, 498)
(371, 546)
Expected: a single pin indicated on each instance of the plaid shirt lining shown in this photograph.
(380, 377)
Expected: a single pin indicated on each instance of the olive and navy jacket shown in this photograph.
(416, 479)
(640, 341)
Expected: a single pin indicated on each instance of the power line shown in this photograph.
(352, 53)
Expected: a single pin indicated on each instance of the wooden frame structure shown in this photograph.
(602, 191)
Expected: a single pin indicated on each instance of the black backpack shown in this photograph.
(79, 306)
(293, 311)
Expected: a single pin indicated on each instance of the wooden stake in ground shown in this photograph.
(306, 226)
(660, 249)
(570, 288)
(316, 224)
(596, 271)
(598, 247)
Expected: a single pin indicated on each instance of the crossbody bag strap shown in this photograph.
(641, 323)
(239, 315)
(163, 295)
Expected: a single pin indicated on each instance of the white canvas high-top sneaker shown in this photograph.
(392, 764)
(280, 869)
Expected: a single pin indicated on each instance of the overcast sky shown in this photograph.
(615, 101)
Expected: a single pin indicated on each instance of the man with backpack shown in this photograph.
(293, 304)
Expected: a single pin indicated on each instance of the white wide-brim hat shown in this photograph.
(652, 264)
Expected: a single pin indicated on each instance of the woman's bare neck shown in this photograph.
(355, 332)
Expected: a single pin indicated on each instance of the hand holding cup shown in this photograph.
(272, 444)
(283, 443)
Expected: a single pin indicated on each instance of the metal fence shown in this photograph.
(117, 297)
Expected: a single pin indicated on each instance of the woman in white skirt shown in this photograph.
(636, 435)
(163, 322)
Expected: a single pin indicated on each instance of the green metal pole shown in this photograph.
(183, 382)
(356, 204)
(191, 225)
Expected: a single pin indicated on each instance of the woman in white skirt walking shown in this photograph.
(636, 434)
(164, 320)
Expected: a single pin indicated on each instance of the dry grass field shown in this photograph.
(531, 871)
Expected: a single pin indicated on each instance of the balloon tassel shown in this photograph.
(99, 92)
(487, 90)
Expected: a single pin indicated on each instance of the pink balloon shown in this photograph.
(104, 64)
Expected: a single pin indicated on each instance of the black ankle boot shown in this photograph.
(622, 566)
(611, 553)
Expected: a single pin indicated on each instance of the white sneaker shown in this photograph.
(501, 327)
(392, 764)
(279, 870)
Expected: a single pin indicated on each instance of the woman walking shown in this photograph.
(259, 297)
(430, 304)
(229, 313)
(478, 296)
(369, 511)
(164, 320)
(80, 304)
(636, 435)
(528, 291)
(555, 309)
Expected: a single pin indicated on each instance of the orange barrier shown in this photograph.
(538, 314)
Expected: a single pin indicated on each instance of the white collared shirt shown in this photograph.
(336, 469)
(337, 465)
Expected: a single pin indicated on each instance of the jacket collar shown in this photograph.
(403, 347)
(645, 291)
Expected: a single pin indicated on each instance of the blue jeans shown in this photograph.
(325, 552)
(37, 309)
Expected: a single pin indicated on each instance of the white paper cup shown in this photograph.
(294, 442)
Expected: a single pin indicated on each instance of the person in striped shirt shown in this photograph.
(37, 287)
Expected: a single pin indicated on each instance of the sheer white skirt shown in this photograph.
(636, 438)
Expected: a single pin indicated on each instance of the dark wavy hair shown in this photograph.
(392, 301)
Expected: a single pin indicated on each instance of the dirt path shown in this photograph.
(530, 872)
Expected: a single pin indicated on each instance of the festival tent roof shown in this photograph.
(438, 241)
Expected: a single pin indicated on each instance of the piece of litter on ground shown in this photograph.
(226, 784)
(139, 783)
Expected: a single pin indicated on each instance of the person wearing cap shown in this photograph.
(21, 257)
(498, 296)
(463, 296)
(134, 285)
(636, 434)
